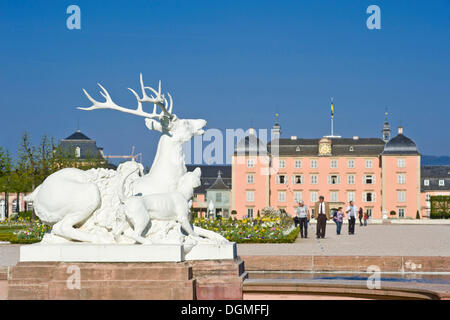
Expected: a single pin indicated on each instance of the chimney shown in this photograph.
(400, 130)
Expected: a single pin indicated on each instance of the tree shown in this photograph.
(5, 176)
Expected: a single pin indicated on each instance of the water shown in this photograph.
(427, 278)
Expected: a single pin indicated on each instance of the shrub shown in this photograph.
(268, 229)
(392, 213)
(417, 215)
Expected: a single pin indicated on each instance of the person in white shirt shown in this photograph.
(302, 215)
(352, 213)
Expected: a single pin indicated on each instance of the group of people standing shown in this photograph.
(322, 214)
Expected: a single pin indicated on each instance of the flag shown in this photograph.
(332, 109)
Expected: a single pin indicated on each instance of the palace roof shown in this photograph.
(210, 174)
(340, 147)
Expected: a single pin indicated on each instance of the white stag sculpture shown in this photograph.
(167, 169)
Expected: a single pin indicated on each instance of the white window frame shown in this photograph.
(313, 163)
(219, 197)
(314, 178)
(298, 196)
(334, 196)
(403, 214)
(334, 163)
(294, 180)
(351, 179)
(401, 196)
(441, 182)
(314, 196)
(297, 164)
(250, 213)
(426, 182)
(351, 196)
(351, 163)
(401, 178)
(281, 163)
(369, 163)
(250, 196)
(401, 163)
(279, 180)
(366, 176)
(250, 178)
(337, 180)
(281, 196)
(250, 163)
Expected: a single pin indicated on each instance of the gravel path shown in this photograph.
(372, 240)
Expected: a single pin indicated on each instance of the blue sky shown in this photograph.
(233, 63)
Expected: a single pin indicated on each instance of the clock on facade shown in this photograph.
(324, 147)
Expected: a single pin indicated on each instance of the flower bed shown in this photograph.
(268, 229)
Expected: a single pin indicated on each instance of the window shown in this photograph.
(369, 179)
(401, 163)
(369, 164)
(369, 212)
(351, 163)
(281, 179)
(351, 196)
(250, 196)
(298, 179)
(250, 213)
(250, 163)
(282, 196)
(426, 182)
(250, 178)
(427, 197)
(314, 196)
(441, 183)
(334, 163)
(314, 179)
(351, 179)
(282, 164)
(298, 196)
(297, 164)
(218, 197)
(77, 152)
(334, 179)
(401, 196)
(313, 163)
(334, 195)
(401, 212)
(369, 196)
(401, 178)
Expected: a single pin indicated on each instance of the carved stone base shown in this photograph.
(213, 279)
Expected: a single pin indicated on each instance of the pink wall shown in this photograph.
(260, 187)
(391, 186)
(323, 187)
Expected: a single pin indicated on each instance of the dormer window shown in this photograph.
(297, 149)
(352, 149)
(441, 183)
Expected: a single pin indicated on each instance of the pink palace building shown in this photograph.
(381, 175)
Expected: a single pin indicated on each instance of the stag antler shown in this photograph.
(157, 100)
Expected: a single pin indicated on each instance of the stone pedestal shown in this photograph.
(208, 279)
(95, 271)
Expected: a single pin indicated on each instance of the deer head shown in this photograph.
(165, 121)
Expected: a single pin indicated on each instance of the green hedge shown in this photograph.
(440, 207)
